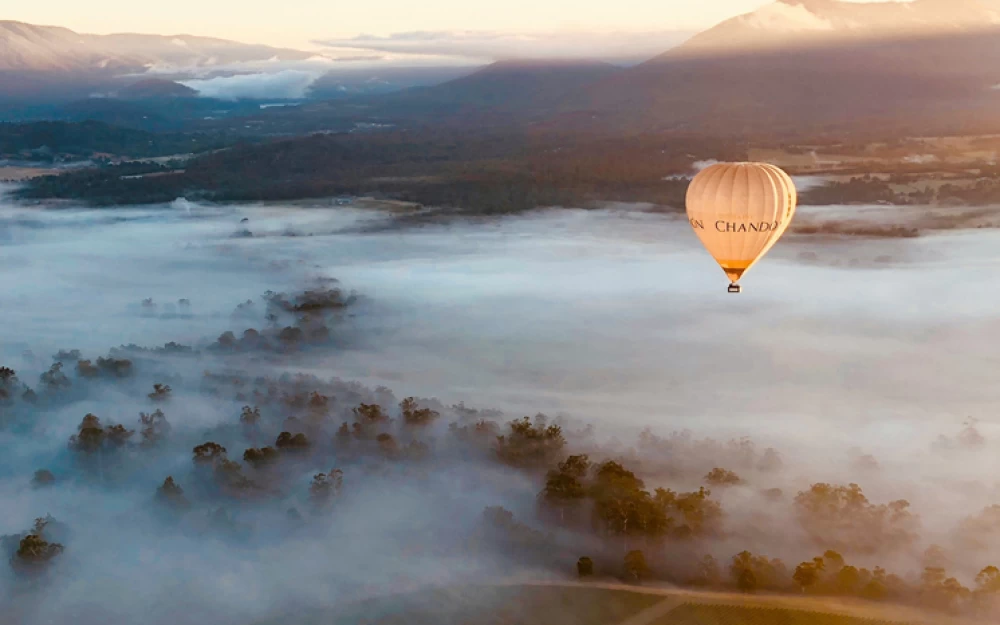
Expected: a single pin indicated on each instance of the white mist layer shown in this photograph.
(618, 319)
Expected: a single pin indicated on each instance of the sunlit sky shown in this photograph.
(295, 23)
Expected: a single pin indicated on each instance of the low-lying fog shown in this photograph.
(837, 348)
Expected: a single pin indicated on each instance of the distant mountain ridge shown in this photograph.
(818, 66)
(801, 22)
(31, 48)
(502, 93)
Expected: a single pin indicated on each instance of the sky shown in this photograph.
(296, 23)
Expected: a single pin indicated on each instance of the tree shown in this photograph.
(117, 436)
(8, 377)
(208, 453)
(34, 550)
(43, 477)
(86, 369)
(741, 563)
(89, 436)
(847, 580)
(54, 379)
(154, 428)
(876, 587)
(229, 475)
(722, 477)
(171, 494)
(562, 491)
(161, 392)
(118, 367)
(988, 580)
(387, 444)
(940, 592)
(585, 567)
(806, 575)
(576, 466)
(370, 413)
(325, 487)
(369, 419)
(986, 597)
(563, 488)
(319, 404)
(530, 444)
(691, 514)
(635, 565)
(842, 517)
(343, 436)
(413, 416)
(618, 498)
(771, 461)
(747, 581)
(297, 442)
(832, 561)
(250, 417)
(261, 458)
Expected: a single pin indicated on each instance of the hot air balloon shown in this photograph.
(740, 210)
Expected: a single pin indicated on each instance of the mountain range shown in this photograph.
(30, 48)
(803, 23)
(814, 66)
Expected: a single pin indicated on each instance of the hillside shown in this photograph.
(46, 141)
(808, 22)
(346, 83)
(570, 603)
(794, 68)
(28, 47)
(156, 88)
(775, 76)
(528, 88)
(505, 93)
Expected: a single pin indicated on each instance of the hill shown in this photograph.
(50, 63)
(792, 69)
(807, 22)
(529, 88)
(46, 141)
(807, 67)
(503, 94)
(28, 47)
(156, 88)
(346, 83)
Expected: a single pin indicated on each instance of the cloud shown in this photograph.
(282, 84)
(626, 47)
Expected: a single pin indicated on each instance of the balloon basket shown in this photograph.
(735, 288)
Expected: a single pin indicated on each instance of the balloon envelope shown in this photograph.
(740, 210)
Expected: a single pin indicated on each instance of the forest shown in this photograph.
(57, 141)
(590, 508)
(478, 172)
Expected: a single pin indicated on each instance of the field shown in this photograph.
(10, 173)
(568, 603)
(481, 605)
(700, 614)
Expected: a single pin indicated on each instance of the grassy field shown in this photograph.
(477, 605)
(605, 604)
(703, 614)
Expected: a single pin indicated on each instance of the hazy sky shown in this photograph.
(296, 22)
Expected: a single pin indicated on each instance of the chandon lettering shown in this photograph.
(730, 226)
